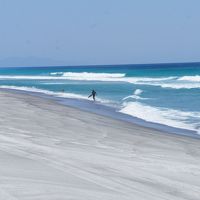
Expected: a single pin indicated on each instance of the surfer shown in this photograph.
(93, 94)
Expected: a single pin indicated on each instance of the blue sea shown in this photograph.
(163, 96)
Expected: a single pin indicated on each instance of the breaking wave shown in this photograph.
(85, 76)
(170, 117)
(138, 91)
(190, 78)
(136, 95)
(174, 82)
(56, 73)
(88, 75)
(179, 85)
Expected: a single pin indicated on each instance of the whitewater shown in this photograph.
(160, 94)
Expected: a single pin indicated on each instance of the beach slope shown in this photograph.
(53, 152)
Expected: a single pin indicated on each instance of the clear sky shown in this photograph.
(79, 32)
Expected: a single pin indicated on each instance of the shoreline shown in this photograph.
(51, 151)
(107, 111)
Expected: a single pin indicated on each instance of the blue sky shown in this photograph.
(79, 32)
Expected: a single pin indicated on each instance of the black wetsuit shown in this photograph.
(93, 94)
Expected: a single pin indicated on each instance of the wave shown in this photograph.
(179, 85)
(88, 75)
(190, 78)
(138, 92)
(56, 94)
(84, 76)
(185, 82)
(170, 117)
(136, 95)
(173, 85)
(56, 73)
(173, 82)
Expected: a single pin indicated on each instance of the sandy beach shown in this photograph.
(53, 152)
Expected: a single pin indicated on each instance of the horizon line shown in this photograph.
(100, 65)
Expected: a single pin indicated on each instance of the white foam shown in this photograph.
(56, 73)
(70, 76)
(58, 94)
(147, 80)
(190, 78)
(138, 91)
(173, 82)
(135, 95)
(119, 77)
(185, 82)
(170, 117)
(178, 85)
(34, 89)
(90, 75)
(173, 85)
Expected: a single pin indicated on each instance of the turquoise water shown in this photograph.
(166, 94)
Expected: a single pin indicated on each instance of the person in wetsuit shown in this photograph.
(93, 94)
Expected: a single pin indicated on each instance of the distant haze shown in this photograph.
(81, 32)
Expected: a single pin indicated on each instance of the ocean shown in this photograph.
(163, 96)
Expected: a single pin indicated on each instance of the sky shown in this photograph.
(87, 32)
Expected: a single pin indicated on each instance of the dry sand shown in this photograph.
(53, 152)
